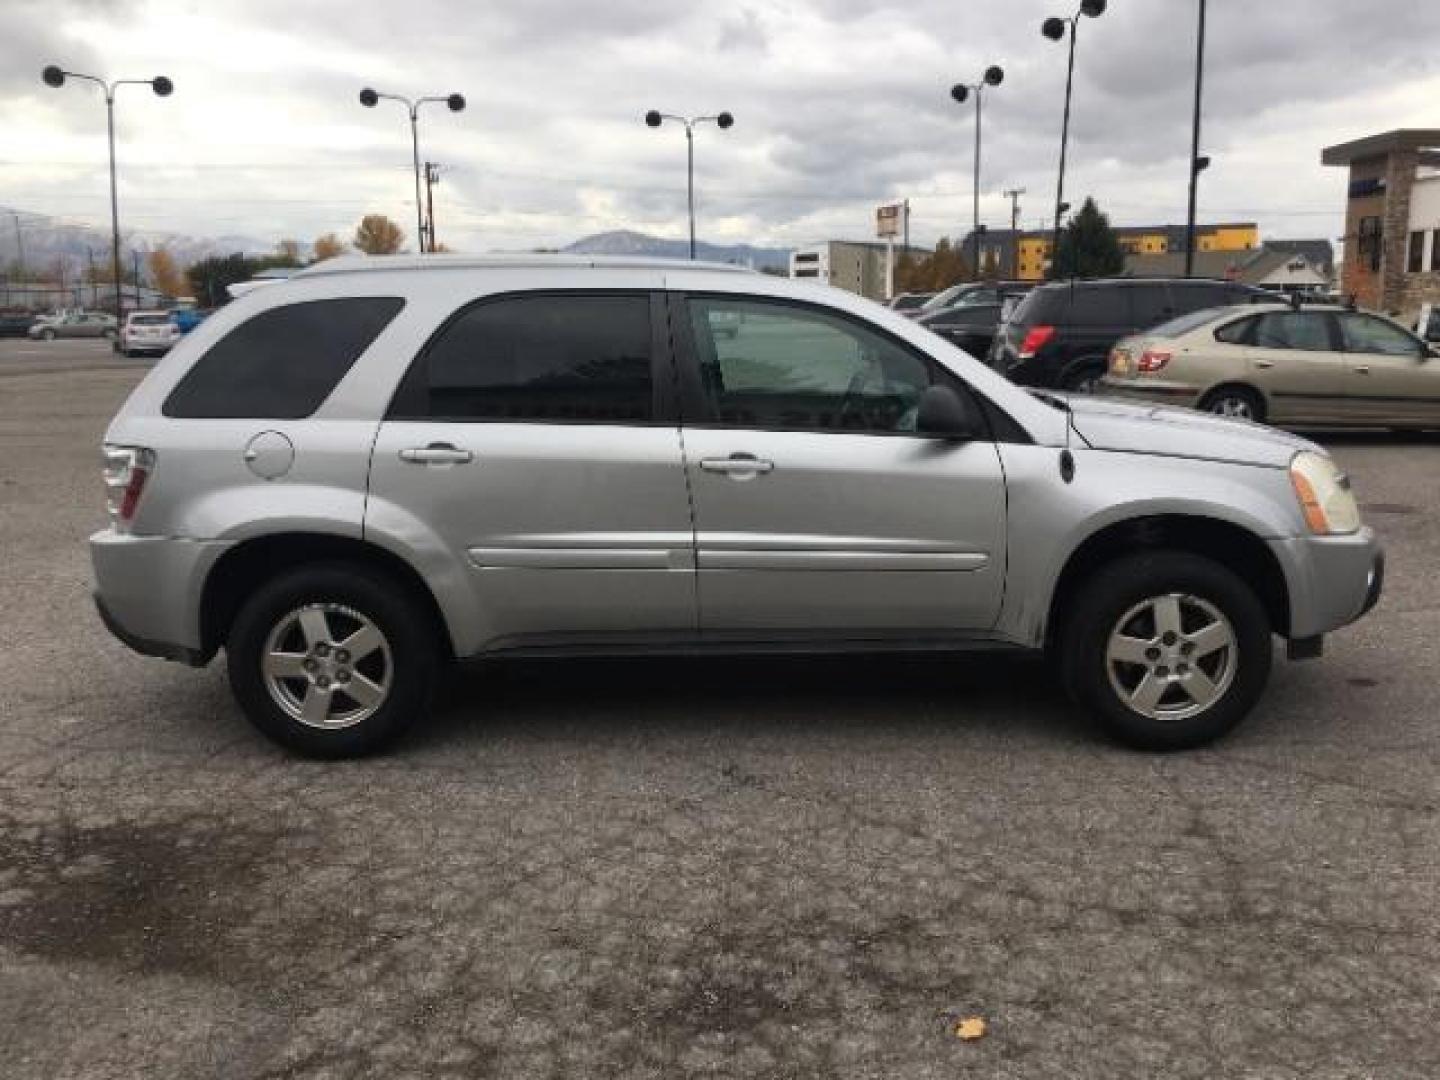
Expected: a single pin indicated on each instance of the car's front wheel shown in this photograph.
(1169, 650)
(1236, 402)
(333, 660)
(47, 335)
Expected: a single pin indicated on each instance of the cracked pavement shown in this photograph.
(757, 868)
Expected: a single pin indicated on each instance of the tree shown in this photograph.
(210, 278)
(327, 247)
(378, 235)
(287, 253)
(942, 268)
(1088, 246)
(164, 274)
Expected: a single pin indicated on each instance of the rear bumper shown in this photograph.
(1149, 393)
(1333, 580)
(148, 591)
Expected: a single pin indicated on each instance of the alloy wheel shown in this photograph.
(327, 665)
(1172, 657)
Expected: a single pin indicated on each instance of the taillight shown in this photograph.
(1152, 360)
(126, 470)
(1034, 340)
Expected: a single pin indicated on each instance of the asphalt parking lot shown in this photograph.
(679, 868)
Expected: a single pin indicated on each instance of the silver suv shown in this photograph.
(347, 478)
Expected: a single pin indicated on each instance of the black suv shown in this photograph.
(1060, 335)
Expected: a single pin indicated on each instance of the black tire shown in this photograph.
(411, 665)
(47, 335)
(1238, 402)
(1083, 377)
(1095, 612)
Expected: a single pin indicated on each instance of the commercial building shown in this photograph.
(1026, 254)
(855, 265)
(1392, 219)
(1284, 265)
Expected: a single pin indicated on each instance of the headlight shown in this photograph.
(1324, 493)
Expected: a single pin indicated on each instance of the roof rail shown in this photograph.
(349, 264)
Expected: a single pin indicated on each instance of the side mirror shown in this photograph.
(947, 414)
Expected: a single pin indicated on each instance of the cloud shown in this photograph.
(839, 105)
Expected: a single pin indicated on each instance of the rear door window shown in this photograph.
(282, 363)
(1150, 304)
(541, 357)
(1308, 331)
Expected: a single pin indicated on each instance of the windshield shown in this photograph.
(149, 320)
(943, 299)
(1183, 324)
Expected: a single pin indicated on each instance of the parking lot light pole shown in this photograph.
(1197, 163)
(994, 76)
(55, 77)
(1054, 28)
(454, 102)
(723, 120)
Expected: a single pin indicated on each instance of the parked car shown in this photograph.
(909, 303)
(971, 292)
(1061, 334)
(73, 324)
(1285, 365)
(335, 479)
(973, 322)
(187, 319)
(15, 323)
(1427, 325)
(151, 332)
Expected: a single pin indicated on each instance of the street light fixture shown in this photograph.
(55, 77)
(454, 102)
(654, 118)
(994, 76)
(1054, 29)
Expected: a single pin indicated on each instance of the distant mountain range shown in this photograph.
(625, 242)
(47, 239)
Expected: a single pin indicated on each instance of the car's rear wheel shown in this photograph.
(1236, 402)
(47, 335)
(1168, 650)
(333, 660)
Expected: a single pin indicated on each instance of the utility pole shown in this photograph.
(432, 177)
(135, 262)
(1014, 196)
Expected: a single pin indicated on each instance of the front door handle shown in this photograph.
(1362, 369)
(741, 466)
(437, 453)
(1265, 363)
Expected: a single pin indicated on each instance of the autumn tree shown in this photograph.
(378, 235)
(327, 247)
(943, 267)
(164, 274)
(287, 253)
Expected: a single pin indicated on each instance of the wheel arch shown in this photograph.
(1237, 384)
(243, 568)
(1232, 545)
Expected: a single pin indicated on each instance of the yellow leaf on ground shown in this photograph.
(970, 1029)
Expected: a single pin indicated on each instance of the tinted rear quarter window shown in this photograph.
(1152, 304)
(282, 363)
(541, 357)
(1100, 306)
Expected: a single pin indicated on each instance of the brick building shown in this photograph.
(1392, 219)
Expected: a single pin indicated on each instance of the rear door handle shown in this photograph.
(1264, 363)
(436, 453)
(742, 465)
(1362, 369)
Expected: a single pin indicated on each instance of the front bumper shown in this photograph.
(148, 591)
(1333, 580)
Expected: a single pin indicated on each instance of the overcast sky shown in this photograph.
(839, 105)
